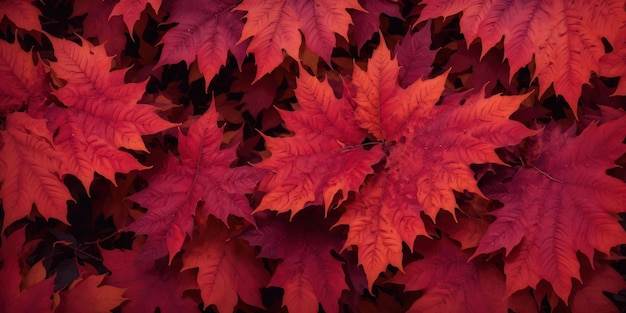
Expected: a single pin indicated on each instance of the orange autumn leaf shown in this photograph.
(89, 295)
(430, 149)
(323, 158)
(31, 171)
(101, 114)
(378, 226)
(227, 268)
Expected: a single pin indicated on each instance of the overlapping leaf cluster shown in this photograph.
(312, 155)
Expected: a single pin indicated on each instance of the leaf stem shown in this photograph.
(103, 239)
(361, 145)
(541, 172)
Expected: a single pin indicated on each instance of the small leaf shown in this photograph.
(88, 295)
(275, 26)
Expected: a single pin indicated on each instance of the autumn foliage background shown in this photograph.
(312, 155)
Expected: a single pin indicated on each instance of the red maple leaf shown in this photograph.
(467, 228)
(324, 156)
(367, 22)
(21, 12)
(414, 56)
(31, 170)
(102, 114)
(88, 295)
(373, 144)
(379, 229)
(452, 284)
(106, 29)
(589, 296)
(149, 284)
(110, 200)
(206, 30)
(430, 152)
(565, 37)
(262, 94)
(308, 273)
(130, 10)
(23, 82)
(559, 203)
(599, 105)
(204, 173)
(487, 69)
(275, 26)
(226, 267)
(13, 298)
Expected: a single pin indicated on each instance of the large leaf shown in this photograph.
(561, 202)
(565, 37)
(102, 114)
(204, 173)
(430, 152)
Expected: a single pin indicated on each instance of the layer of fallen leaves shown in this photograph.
(312, 155)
